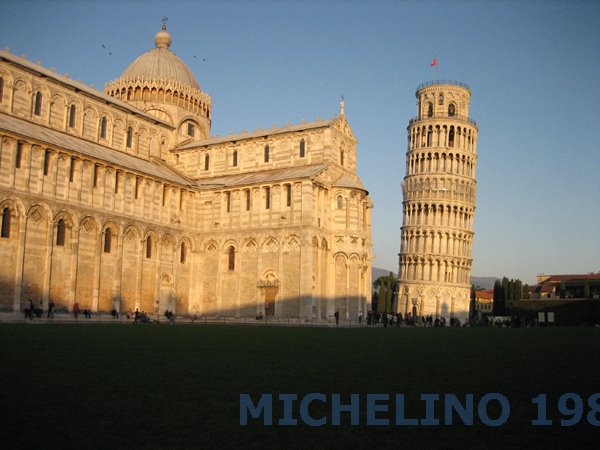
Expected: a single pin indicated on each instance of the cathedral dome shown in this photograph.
(160, 84)
(160, 64)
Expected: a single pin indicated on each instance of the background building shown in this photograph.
(123, 199)
(438, 203)
(484, 302)
(577, 286)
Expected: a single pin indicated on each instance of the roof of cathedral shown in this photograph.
(79, 86)
(160, 64)
(347, 180)
(263, 176)
(259, 133)
(64, 140)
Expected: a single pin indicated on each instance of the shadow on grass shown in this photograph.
(93, 386)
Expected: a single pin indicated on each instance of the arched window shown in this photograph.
(190, 129)
(107, 240)
(46, 162)
(5, 233)
(60, 233)
(451, 110)
(235, 158)
(341, 157)
(103, 128)
(183, 253)
(38, 104)
(206, 162)
(149, 247)
(267, 197)
(228, 201)
(302, 148)
(231, 258)
(288, 194)
(1, 88)
(340, 202)
(95, 180)
(451, 137)
(267, 153)
(247, 192)
(129, 136)
(19, 155)
(72, 112)
(72, 170)
(441, 99)
(429, 109)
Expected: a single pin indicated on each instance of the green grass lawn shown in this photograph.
(161, 386)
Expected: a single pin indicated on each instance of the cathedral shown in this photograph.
(123, 199)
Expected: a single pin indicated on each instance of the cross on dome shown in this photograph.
(162, 38)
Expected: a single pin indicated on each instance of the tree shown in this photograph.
(505, 290)
(381, 306)
(473, 303)
(388, 299)
(586, 288)
(388, 280)
(499, 304)
(386, 286)
(518, 289)
(562, 290)
(374, 302)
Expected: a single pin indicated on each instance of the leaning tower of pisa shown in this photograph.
(438, 204)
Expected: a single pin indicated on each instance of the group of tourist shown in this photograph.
(34, 310)
(86, 312)
(397, 319)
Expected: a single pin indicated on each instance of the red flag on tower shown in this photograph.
(434, 62)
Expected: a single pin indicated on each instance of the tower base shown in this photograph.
(436, 301)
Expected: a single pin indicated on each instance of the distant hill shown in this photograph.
(376, 272)
(482, 282)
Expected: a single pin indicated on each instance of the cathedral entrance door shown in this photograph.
(270, 294)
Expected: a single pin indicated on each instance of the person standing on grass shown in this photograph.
(51, 309)
(337, 317)
(75, 309)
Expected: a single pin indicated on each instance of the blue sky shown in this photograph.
(533, 68)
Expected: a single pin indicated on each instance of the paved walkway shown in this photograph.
(97, 318)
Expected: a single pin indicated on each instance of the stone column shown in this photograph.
(20, 264)
(75, 229)
(97, 259)
(138, 271)
(48, 262)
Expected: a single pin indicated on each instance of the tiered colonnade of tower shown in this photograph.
(438, 203)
